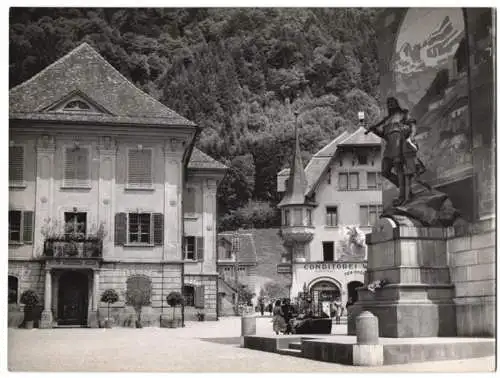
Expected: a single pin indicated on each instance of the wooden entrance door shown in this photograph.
(73, 299)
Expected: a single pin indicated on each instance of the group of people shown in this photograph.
(282, 314)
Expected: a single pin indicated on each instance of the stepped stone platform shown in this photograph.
(339, 348)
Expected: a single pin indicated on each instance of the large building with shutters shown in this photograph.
(106, 189)
(326, 209)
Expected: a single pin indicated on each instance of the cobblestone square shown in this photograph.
(199, 347)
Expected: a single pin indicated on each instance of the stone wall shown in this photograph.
(29, 276)
(472, 266)
(115, 275)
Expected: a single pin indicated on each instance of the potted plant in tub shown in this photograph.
(174, 299)
(109, 296)
(30, 301)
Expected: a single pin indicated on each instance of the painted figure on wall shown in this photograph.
(353, 247)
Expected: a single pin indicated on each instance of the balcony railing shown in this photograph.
(85, 248)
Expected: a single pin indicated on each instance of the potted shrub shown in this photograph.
(174, 299)
(138, 295)
(109, 296)
(200, 316)
(30, 301)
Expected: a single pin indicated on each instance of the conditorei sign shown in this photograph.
(330, 267)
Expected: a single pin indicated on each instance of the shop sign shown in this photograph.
(328, 267)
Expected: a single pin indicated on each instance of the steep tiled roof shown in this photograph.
(84, 72)
(320, 162)
(321, 159)
(358, 138)
(247, 253)
(297, 183)
(200, 160)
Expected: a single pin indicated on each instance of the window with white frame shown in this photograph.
(331, 216)
(16, 165)
(369, 214)
(193, 248)
(140, 168)
(349, 181)
(308, 217)
(373, 180)
(76, 167)
(286, 217)
(21, 226)
(139, 228)
(189, 247)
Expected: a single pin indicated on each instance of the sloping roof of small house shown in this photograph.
(200, 160)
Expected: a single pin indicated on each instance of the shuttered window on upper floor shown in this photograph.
(76, 167)
(140, 168)
(16, 165)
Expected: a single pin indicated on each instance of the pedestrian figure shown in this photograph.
(287, 315)
(338, 309)
(261, 307)
(270, 308)
(279, 324)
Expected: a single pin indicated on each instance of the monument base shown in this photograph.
(416, 297)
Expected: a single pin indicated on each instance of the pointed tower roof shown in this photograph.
(83, 76)
(297, 183)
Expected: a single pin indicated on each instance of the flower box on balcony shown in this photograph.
(67, 247)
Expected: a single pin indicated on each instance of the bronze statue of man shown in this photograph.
(400, 153)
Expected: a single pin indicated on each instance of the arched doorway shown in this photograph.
(73, 298)
(323, 293)
(351, 290)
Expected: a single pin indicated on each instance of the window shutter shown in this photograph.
(16, 164)
(76, 167)
(120, 228)
(158, 228)
(199, 296)
(28, 227)
(139, 168)
(199, 248)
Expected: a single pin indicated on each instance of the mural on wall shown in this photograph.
(429, 68)
(352, 247)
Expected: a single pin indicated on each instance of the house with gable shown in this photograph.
(106, 189)
(326, 208)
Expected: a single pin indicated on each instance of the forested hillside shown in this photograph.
(229, 70)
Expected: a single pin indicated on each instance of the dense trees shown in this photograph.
(229, 70)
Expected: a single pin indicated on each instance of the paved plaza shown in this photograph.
(199, 347)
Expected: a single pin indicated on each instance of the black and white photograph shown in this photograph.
(251, 189)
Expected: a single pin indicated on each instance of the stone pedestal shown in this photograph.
(93, 320)
(417, 298)
(46, 319)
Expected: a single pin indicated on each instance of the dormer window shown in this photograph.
(76, 105)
